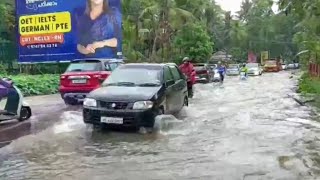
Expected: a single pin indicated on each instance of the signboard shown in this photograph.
(252, 58)
(264, 56)
(59, 30)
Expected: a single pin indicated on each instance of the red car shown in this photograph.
(203, 73)
(83, 76)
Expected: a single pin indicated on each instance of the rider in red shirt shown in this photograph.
(187, 69)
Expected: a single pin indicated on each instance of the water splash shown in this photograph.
(71, 121)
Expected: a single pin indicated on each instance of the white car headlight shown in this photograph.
(142, 105)
(89, 102)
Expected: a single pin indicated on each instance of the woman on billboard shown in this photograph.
(99, 30)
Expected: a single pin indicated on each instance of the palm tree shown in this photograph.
(166, 18)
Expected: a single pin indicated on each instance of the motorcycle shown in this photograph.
(190, 90)
(243, 76)
(216, 76)
(15, 106)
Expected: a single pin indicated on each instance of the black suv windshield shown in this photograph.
(134, 76)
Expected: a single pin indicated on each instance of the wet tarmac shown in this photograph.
(240, 130)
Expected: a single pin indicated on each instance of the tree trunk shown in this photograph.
(154, 48)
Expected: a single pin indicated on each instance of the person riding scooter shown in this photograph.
(187, 69)
(221, 71)
(244, 69)
(15, 107)
(7, 90)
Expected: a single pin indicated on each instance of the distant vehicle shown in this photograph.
(83, 76)
(212, 66)
(272, 66)
(293, 66)
(203, 73)
(233, 69)
(135, 94)
(254, 69)
(284, 66)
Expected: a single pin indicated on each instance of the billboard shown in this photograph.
(252, 58)
(59, 30)
(264, 56)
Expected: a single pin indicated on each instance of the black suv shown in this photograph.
(134, 94)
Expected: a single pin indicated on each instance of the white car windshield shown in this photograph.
(134, 77)
(233, 67)
(252, 65)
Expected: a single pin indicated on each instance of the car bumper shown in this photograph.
(271, 70)
(254, 73)
(232, 73)
(131, 118)
(76, 96)
(202, 78)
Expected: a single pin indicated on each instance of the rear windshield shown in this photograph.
(84, 66)
(197, 68)
(271, 62)
(112, 66)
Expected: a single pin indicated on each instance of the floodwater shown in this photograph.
(241, 130)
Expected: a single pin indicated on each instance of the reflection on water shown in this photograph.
(245, 130)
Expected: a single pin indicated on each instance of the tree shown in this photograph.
(194, 42)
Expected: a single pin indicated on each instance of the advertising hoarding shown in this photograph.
(60, 30)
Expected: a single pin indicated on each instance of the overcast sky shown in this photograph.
(234, 5)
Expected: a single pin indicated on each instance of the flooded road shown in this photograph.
(240, 130)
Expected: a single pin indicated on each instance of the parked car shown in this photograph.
(293, 66)
(254, 69)
(135, 94)
(284, 66)
(83, 76)
(203, 72)
(272, 66)
(233, 69)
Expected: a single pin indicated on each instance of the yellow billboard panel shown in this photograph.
(264, 56)
(49, 23)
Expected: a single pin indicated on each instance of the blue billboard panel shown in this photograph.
(60, 30)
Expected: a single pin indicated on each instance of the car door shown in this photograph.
(179, 87)
(169, 92)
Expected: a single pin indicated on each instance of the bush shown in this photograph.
(31, 85)
(309, 85)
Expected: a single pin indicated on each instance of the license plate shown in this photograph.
(112, 120)
(79, 81)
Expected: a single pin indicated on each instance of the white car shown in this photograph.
(254, 69)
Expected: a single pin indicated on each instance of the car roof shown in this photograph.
(97, 59)
(155, 66)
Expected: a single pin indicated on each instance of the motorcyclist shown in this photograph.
(8, 91)
(244, 69)
(221, 71)
(188, 69)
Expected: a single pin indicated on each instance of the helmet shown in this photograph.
(244, 65)
(185, 59)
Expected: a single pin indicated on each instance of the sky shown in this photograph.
(234, 5)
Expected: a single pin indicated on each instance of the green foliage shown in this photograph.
(37, 84)
(195, 42)
(309, 85)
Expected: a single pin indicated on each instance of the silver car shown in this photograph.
(254, 69)
(233, 70)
